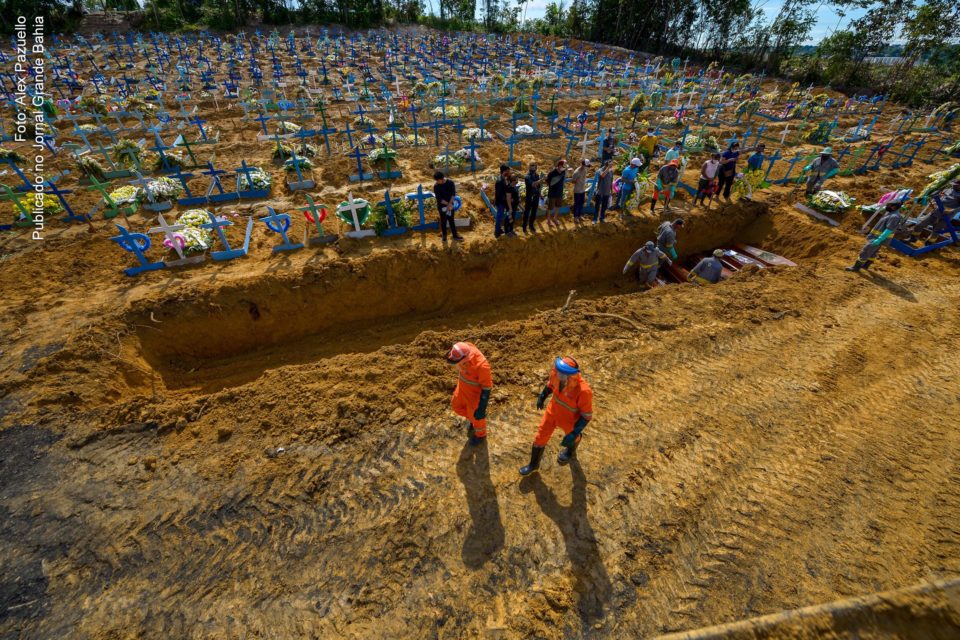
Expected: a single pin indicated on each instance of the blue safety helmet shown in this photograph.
(566, 365)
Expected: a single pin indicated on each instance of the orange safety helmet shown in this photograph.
(457, 352)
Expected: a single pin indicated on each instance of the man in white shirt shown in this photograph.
(706, 187)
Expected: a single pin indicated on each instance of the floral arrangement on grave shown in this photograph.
(820, 134)
(195, 238)
(89, 128)
(748, 107)
(537, 83)
(51, 206)
(290, 165)
(10, 154)
(361, 122)
(748, 183)
(373, 141)
(475, 134)
(419, 88)
(708, 144)
(497, 80)
(521, 83)
(612, 101)
(125, 150)
(520, 107)
(947, 109)
(939, 180)
(284, 127)
(954, 148)
(363, 212)
(637, 104)
(174, 160)
(383, 155)
(162, 189)
(136, 103)
(404, 211)
(414, 141)
(444, 160)
(453, 111)
(125, 195)
(524, 129)
(436, 87)
(256, 180)
(595, 103)
(93, 104)
(831, 201)
(91, 167)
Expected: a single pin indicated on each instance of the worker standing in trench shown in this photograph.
(571, 408)
(647, 260)
(667, 237)
(708, 270)
(474, 384)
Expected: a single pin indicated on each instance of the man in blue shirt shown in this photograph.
(628, 180)
(728, 169)
(755, 161)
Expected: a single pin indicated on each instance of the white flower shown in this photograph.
(524, 129)
(474, 134)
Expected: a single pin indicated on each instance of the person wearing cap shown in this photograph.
(708, 270)
(667, 237)
(667, 180)
(555, 180)
(647, 146)
(609, 145)
(474, 384)
(706, 186)
(821, 169)
(603, 191)
(628, 180)
(444, 191)
(647, 260)
(532, 182)
(579, 189)
(880, 235)
(570, 409)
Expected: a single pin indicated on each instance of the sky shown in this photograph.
(827, 17)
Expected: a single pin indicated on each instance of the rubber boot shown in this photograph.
(536, 453)
(856, 266)
(568, 453)
(866, 264)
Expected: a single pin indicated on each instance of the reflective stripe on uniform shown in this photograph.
(564, 404)
(700, 280)
(647, 266)
(470, 382)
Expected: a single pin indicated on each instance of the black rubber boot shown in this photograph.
(536, 453)
(866, 264)
(859, 264)
(568, 453)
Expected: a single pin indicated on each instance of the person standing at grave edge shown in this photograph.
(880, 235)
(647, 146)
(444, 190)
(501, 199)
(728, 169)
(603, 192)
(579, 189)
(821, 169)
(532, 183)
(609, 145)
(555, 181)
(474, 384)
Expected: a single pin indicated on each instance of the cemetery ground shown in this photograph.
(263, 448)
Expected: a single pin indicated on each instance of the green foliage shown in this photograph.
(403, 211)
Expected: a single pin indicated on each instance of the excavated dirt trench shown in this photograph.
(230, 335)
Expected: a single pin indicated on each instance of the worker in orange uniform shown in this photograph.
(570, 409)
(473, 388)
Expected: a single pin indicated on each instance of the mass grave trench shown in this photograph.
(371, 296)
